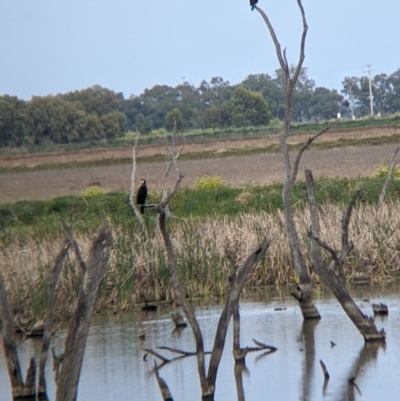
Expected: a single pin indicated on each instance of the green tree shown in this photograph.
(56, 121)
(393, 96)
(172, 116)
(143, 124)
(111, 125)
(249, 108)
(273, 92)
(96, 99)
(15, 123)
(324, 104)
(218, 116)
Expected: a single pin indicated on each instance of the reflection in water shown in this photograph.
(308, 341)
(367, 354)
(114, 368)
(240, 368)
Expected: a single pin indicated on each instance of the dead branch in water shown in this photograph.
(324, 369)
(333, 275)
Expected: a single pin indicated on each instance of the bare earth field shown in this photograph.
(236, 171)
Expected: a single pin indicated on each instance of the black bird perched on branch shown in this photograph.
(141, 195)
(253, 4)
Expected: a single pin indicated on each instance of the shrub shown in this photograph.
(92, 191)
(209, 182)
(383, 172)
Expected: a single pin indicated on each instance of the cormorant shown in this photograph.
(141, 195)
(253, 4)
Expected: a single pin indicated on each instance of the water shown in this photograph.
(114, 369)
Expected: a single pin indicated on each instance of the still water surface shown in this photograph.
(113, 368)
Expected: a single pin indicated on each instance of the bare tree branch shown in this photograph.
(322, 244)
(179, 351)
(304, 147)
(302, 43)
(347, 246)
(174, 154)
(74, 245)
(282, 61)
(132, 202)
(157, 355)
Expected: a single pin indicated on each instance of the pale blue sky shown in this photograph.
(55, 46)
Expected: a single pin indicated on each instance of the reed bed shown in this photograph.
(208, 251)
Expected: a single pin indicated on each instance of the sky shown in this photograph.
(56, 46)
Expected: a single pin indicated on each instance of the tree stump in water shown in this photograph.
(380, 309)
(177, 318)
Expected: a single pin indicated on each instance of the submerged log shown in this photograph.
(361, 278)
(141, 333)
(380, 309)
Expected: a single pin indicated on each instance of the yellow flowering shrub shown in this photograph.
(383, 172)
(92, 191)
(209, 182)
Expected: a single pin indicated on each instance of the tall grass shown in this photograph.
(208, 251)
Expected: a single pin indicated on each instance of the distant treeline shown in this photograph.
(98, 113)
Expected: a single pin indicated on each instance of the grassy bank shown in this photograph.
(43, 217)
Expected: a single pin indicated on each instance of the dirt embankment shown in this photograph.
(236, 171)
(201, 146)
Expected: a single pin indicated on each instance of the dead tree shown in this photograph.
(18, 387)
(332, 275)
(49, 315)
(67, 385)
(132, 189)
(303, 295)
(68, 380)
(207, 381)
(28, 389)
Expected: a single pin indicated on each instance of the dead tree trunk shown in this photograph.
(207, 383)
(10, 349)
(304, 289)
(49, 315)
(333, 275)
(231, 305)
(67, 385)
